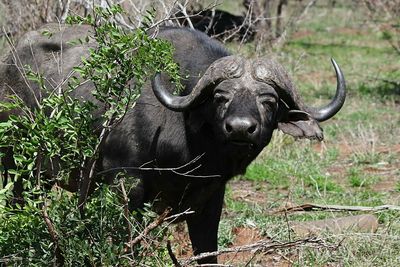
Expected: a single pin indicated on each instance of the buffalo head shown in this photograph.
(248, 99)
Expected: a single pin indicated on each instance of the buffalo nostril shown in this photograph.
(252, 129)
(228, 128)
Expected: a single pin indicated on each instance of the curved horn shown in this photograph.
(328, 111)
(224, 68)
(271, 72)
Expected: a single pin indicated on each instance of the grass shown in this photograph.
(356, 165)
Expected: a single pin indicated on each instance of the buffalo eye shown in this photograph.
(220, 98)
(268, 101)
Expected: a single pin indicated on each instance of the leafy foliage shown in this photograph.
(99, 239)
(57, 142)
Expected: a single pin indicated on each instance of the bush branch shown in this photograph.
(177, 170)
(54, 236)
(157, 222)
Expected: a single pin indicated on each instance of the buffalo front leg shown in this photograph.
(203, 227)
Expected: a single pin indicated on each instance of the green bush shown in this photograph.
(52, 227)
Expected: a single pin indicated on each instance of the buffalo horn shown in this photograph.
(222, 69)
(328, 111)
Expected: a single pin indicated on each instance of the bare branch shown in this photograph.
(183, 10)
(265, 246)
(176, 170)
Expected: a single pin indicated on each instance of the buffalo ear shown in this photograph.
(300, 124)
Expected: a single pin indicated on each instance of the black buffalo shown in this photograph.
(226, 115)
(220, 24)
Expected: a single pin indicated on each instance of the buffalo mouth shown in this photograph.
(242, 143)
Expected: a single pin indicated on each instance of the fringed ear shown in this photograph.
(300, 124)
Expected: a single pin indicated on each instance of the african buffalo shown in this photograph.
(226, 114)
(220, 24)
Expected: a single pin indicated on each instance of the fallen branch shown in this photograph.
(316, 207)
(264, 246)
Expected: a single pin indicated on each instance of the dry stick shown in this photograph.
(266, 246)
(54, 236)
(312, 207)
(157, 222)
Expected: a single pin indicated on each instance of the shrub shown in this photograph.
(52, 227)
